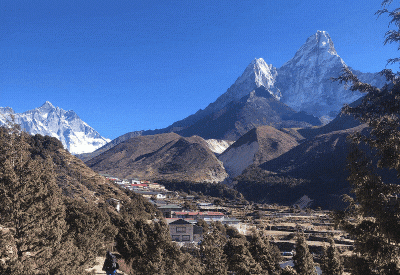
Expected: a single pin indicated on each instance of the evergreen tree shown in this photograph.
(331, 263)
(212, 251)
(239, 258)
(373, 216)
(288, 270)
(147, 246)
(32, 211)
(90, 227)
(303, 260)
(264, 253)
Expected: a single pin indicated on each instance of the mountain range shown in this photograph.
(276, 134)
(76, 135)
(304, 84)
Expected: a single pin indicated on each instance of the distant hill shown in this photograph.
(75, 178)
(256, 147)
(340, 122)
(316, 168)
(163, 156)
(87, 156)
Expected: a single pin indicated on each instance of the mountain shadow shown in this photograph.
(316, 168)
(238, 117)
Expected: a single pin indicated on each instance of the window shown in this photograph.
(181, 229)
(186, 238)
(176, 238)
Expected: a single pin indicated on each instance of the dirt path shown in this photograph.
(99, 265)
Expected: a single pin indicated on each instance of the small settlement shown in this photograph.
(280, 223)
(182, 222)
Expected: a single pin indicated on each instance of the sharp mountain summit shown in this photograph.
(271, 131)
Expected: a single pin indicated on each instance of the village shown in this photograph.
(183, 212)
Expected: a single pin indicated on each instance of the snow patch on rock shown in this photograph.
(236, 159)
(218, 146)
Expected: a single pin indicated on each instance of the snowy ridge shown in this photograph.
(76, 135)
(305, 80)
(318, 49)
(303, 83)
(257, 74)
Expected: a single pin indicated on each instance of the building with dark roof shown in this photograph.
(184, 231)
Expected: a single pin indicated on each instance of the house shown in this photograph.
(146, 194)
(156, 186)
(168, 209)
(184, 231)
(214, 216)
(134, 181)
(139, 185)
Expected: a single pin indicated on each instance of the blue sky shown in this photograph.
(127, 65)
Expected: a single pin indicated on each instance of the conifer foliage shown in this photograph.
(373, 216)
(264, 253)
(32, 214)
(303, 260)
(331, 263)
(240, 259)
(212, 251)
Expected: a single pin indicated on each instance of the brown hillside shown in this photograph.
(164, 156)
(273, 143)
(75, 178)
(255, 147)
(316, 168)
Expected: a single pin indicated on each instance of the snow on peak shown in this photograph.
(76, 135)
(258, 73)
(6, 110)
(305, 80)
(46, 107)
(322, 40)
(318, 49)
(48, 104)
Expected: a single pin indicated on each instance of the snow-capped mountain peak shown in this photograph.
(47, 105)
(262, 74)
(258, 73)
(76, 135)
(321, 40)
(305, 80)
(318, 49)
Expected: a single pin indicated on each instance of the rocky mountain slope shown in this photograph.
(256, 147)
(316, 168)
(303, 83)
(76, 135)
(163, 156)
(257, 108)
